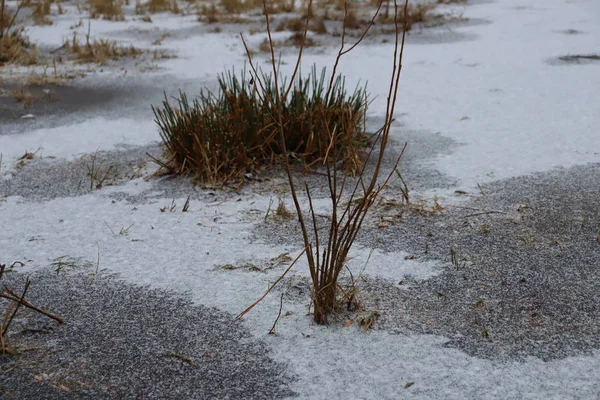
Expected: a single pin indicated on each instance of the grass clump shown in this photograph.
(156, 6)
(106, 9)
(98, 50)
(15, 47)
(217, 138)
(297, 24)
(41, 12)
(413, 14)
(238, 11)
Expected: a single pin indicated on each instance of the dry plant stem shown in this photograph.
(343, 52)
(325, 267)
(13, 297)
(272, 330)
(299, 59)
(19, 303)
(182, 358)
(278, 107)
(241, 315)
(2, 18)
(12, 21)
(342, 237)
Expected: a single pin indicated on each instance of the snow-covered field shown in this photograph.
(483, 100)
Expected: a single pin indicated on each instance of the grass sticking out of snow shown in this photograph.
(218, 138)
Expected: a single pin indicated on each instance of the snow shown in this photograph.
(67, 142)
(513, 112)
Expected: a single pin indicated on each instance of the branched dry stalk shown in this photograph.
(5, 25)
(16, 302)
(327, 258)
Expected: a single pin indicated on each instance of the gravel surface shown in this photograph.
(524, 282)
(122, 341)
(41, 179)
(525, 276)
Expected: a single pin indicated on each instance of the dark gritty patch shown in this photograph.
(571, 32)
(519, 283)
(575, 59)
(521, 276)
(122, 341)
(44, 179)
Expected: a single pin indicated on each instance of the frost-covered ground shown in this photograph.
(501, 120)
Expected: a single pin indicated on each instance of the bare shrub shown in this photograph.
(327, 255)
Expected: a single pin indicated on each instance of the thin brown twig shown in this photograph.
(182, 358)
(19, 301)
(241, 315)
(11, 296)
(272, 330)
(12, 21)
(484, 213)
(341, 51)
(299, 59)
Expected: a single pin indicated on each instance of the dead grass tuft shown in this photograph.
(236, 11)
(15, 47)
(155, 6)
(107, 9)
(415, 13)
(98, 172)
(297, 24)
(282, 211)
(41, 12)
(218, 138)
(98, 50)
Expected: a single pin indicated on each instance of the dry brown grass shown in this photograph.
(98, 50)
(41, 12)
(212, 14)
(353, 22)
(15, 47)
(294, 40)
(238, 11)
(415, 13)
(218, 138)
(155, 6)
(22, 95)
(107, 9)
(297, 24)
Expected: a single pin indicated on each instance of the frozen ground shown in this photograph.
(500, 114)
